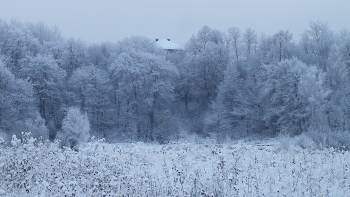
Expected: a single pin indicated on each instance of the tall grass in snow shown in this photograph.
(32, 168)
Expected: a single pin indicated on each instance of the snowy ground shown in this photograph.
(184, 169)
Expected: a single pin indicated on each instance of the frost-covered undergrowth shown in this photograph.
(31, 168)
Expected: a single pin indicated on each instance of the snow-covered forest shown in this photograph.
(145, 102)
(234, 84)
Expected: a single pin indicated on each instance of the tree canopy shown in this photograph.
(227, 84)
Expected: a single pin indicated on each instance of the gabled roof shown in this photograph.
(167, 44)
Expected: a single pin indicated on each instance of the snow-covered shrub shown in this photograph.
(75, 128)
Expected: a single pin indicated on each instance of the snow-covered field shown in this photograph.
(237, 169)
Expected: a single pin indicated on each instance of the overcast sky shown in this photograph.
(95, 21)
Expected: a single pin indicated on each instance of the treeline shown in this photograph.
(224, 84)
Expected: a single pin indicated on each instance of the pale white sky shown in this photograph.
(95, 21)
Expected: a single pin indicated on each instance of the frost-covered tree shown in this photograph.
(91, 89)
(74, 56)
(50, 40)
(237, 110)
(201, 73)
(16, 99)
(343, 41)
(143, 82)
(47, 79)
(265, 52)
(100, 54)
(75, 128)
(222, 120)
(276, 48)
(296, 97)
(338, 79)
(281, 41)
(234, 41)
(250, 41)
(43, 33)
(205, 66)
(18, 44)
(316, 43)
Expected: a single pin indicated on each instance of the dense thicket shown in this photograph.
(232, 84)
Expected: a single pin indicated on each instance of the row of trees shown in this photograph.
(284, 87)
(228, 84)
